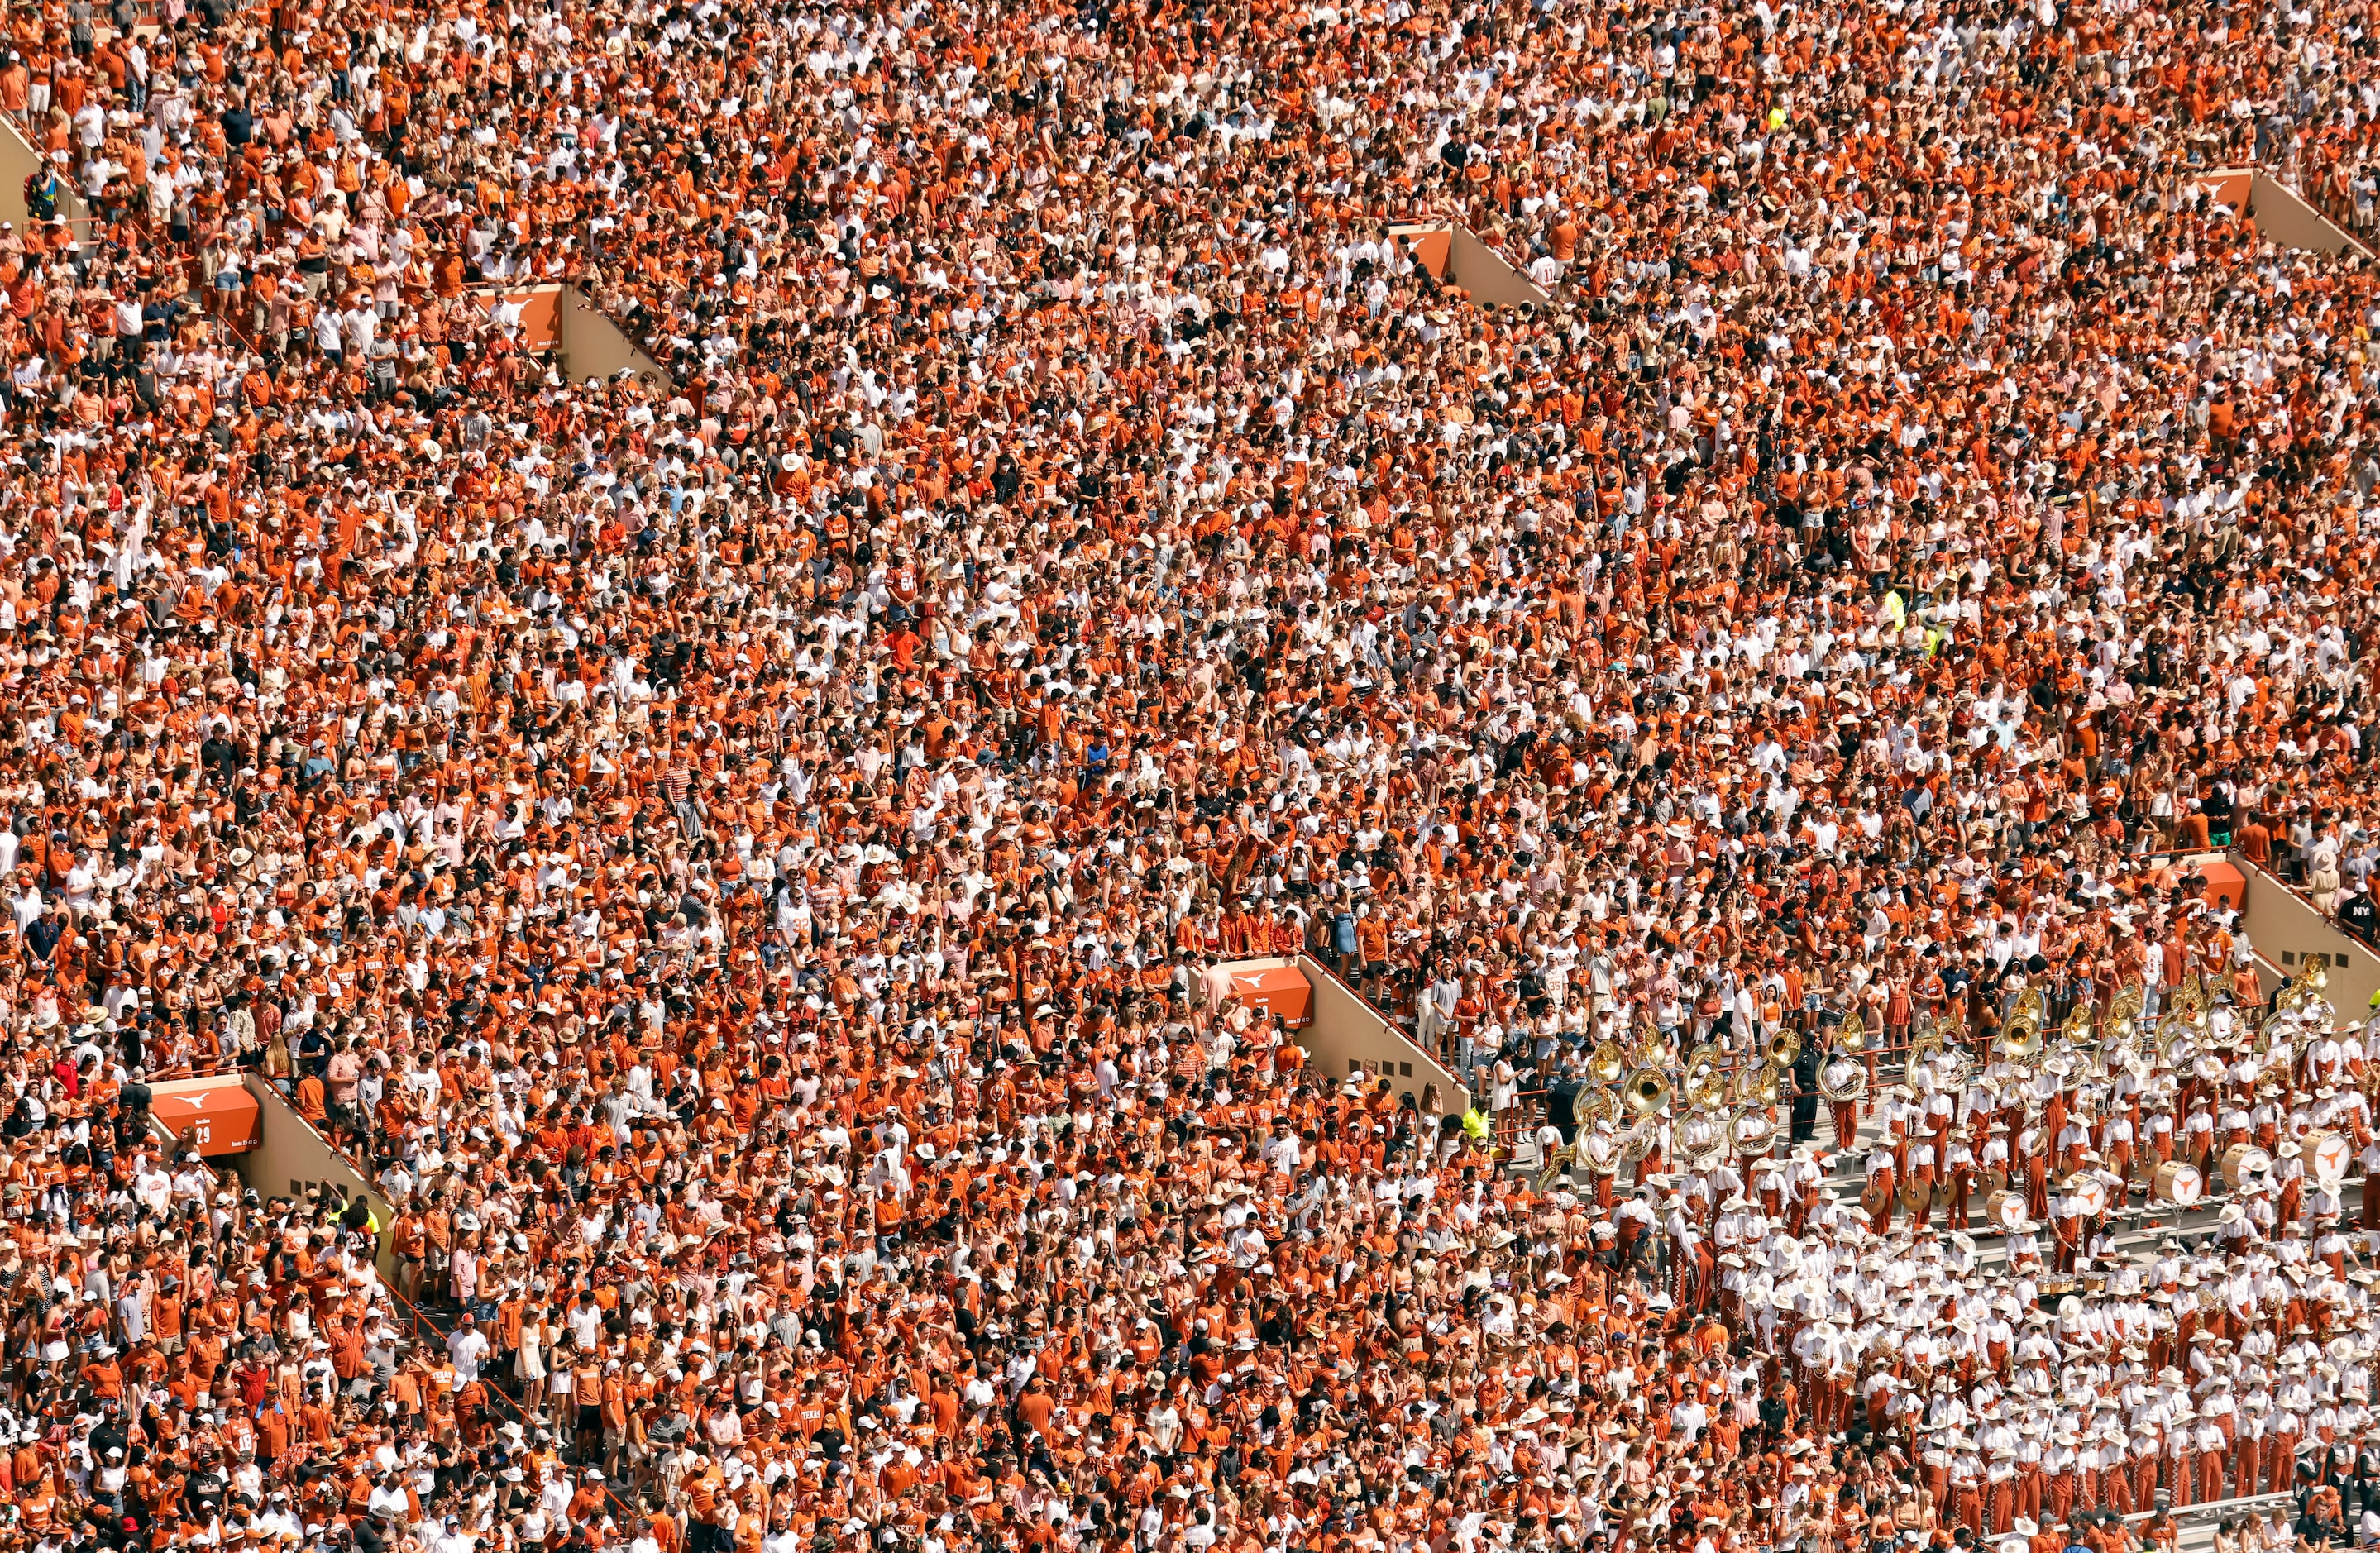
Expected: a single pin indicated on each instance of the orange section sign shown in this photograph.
(217, 1114)
(1283, 992)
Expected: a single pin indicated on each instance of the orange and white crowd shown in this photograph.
(742, 852)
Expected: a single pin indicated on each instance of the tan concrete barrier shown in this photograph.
(1348, 1037)
(560, 319)
(20, 161)
(2279, 212)
(594, 346)
(2287, 932)
(1452, 254)
(290, 1156)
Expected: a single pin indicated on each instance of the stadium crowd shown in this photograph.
(744, 853)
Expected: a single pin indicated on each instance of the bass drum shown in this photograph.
(2090, 1192)
(2328, 1157)
(2005, 1208)
(2179, 1183)
(2242, 1160)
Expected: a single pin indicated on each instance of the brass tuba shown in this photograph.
(2078, 1025)
(1760, 1086)
(2020, 1042)
(1784, 1049)
(1848, 1092)
(1606, 1063)
(1750, 1129)
(1645, 1092)
(1705, 1085)
(1851, 1035)
(2032, 1004)
(1702, 1139)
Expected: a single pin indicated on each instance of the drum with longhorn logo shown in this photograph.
(2178, 1182)
(2242, 1160)
(2328, 1157)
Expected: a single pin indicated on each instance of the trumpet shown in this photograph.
(1606, 1063)
(1645, 1092)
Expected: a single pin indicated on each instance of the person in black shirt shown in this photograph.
(2358, 916)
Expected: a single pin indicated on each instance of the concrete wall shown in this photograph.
(2279, 212)
(20, 161)
(593, 347)
(560, 319)
(2286, 930)
(1348, 1036)
(1484, 272)
(1452, 254)
(291, 1156)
